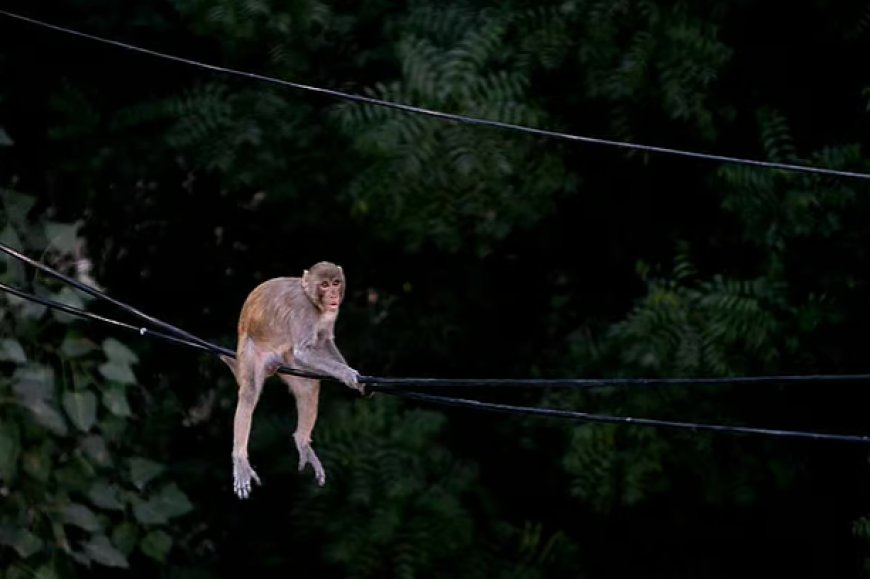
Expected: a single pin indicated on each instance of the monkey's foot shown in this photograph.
(242, 475)
(307, 456)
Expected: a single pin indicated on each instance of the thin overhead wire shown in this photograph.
(443, 115)
(474, 404)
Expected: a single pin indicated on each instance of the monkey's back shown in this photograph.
(266, 313)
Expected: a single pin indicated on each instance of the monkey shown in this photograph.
(289, 321)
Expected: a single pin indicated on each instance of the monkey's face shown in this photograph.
(329, 293)
(324, 284)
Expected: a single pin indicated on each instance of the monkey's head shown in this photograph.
(324, 285)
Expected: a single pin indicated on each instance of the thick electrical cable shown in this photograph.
(589, 383)
(468, 403)
(627, 420)
(73, 311)
(439, 114)
(577, 383)
(90, 290)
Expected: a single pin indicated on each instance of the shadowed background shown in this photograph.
(469, 252)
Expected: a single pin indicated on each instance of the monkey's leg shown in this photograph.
(307, 393)
(252, 368)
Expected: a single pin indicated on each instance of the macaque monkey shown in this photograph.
(290, 321)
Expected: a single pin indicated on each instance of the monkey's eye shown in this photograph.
(324, 284)
(336, 282)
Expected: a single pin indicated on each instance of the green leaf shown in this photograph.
(33, 381)
(143, 470)
(15, 271)
(117, 372)
(45, 572)
(22, 540)
(81, 517)
(10, 448)
(10, 237)
(168, 503)
(81, 407)
(75, 475)
(60, 537)
(37, 462)
(11, 350)
(96, 449)
(48, 416)
(76, 346)
(28, 310)
(17, 206)
(26, 543)
(115, 399)
(173, 501)
(19, 570)
(118, 352)
(106, 496)
(102, 551)
(80, 558)
(149, 513)
(34, 385)
(125, 536)
(156, 545)
(112, 427)
(69, 297)
(62, 235)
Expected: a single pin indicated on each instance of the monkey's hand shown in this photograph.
(242, 475)
(350, 378)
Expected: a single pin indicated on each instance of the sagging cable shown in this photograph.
(443, 115)
(578, 383)
(464, 402)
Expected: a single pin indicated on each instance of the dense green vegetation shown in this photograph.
(469, 251)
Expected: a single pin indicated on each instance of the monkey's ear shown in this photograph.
(343, 281)
(309, 290)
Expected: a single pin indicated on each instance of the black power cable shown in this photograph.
(606, 419)
(380, 384)
(202, 344)
(579, 383)
(442, 115)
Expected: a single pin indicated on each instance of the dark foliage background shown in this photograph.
(469, 252)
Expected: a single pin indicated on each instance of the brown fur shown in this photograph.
(290, 321)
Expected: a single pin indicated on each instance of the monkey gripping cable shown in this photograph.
(391, 385)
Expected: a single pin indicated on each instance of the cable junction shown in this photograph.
(439, 114)
(391, 386)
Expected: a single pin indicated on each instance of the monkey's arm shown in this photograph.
(334, 351)
(325, 359)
